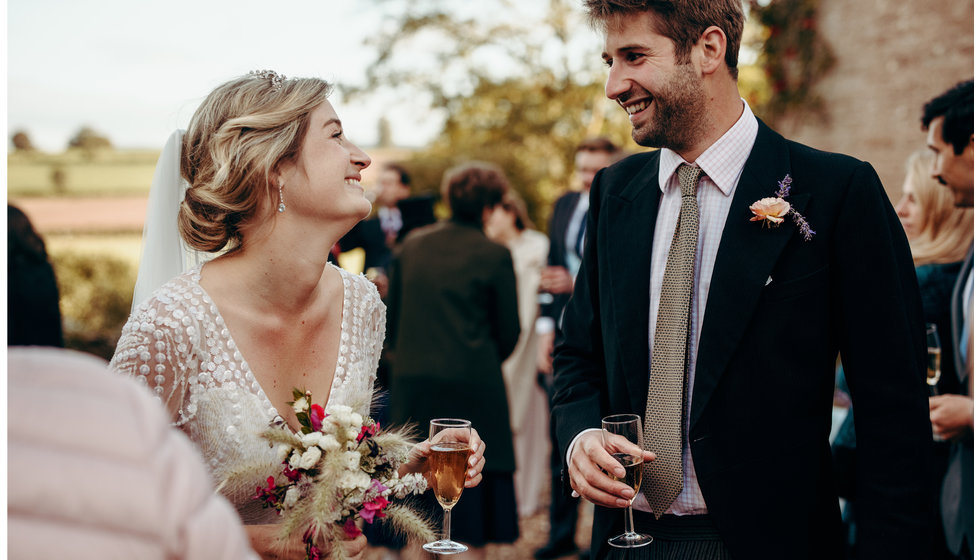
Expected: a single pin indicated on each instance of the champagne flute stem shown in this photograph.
(629, 520)
(446, 521)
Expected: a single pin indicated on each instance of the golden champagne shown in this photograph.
(448, 467)
(634, 470)
(932, 367)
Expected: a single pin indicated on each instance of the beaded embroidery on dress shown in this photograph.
(177, 344)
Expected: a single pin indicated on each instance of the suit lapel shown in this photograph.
(631, 215)
(746, 256)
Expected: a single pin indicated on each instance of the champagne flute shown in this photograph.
(935, 353)
(933, 370)
(450, 443)
(617, 430)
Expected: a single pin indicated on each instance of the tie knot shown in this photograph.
(689, 176)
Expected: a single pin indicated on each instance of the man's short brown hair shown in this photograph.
(681, 21)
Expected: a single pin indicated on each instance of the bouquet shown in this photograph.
(340, 468)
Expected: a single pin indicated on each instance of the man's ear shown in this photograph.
(712, 46)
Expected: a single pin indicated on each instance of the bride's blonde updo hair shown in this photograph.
(235, 141)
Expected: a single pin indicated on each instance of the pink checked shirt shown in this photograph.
(722, 164)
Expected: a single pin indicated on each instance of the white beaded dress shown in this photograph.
(178, 345)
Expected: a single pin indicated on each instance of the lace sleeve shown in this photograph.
(147, 351)
(360, 349)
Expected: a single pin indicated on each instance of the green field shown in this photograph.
(76, 173)
(125, 247)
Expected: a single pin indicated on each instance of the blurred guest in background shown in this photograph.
(398, 213)
(949, 125)
(567, 234)
(941, 237)
(510, 226)
(33, 313)
(452, 321)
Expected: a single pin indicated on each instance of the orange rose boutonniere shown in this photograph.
(771, 211)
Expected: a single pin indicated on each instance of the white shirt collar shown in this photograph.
(723, 161)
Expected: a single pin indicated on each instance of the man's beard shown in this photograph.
(679, 113)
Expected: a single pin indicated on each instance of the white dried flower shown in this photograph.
(300, 405)
(311, 439)
(282, 452)
(292, 496)
(309, 458)
(352, 460)
(295, 458)
(328, 443)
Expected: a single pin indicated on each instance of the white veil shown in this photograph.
(164, 254)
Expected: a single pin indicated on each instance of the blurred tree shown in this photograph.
(22, 142)
(89, 141)
(793, 57)
(517, 91)
(96, 297)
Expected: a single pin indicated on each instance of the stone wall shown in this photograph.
(891, 57)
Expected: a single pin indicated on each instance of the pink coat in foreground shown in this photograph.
(96, 471)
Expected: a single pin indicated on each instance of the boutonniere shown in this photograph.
(772, 210)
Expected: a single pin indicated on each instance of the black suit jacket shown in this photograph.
(416, 211)
(956, 502)
(764, 380)
(561, 221)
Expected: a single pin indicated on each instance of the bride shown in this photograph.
(272, 183)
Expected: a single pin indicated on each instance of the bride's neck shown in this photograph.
(274, 273)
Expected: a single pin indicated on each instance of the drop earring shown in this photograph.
(282, 203)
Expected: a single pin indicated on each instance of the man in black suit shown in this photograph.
(783, 258)
(398, 213)
(948, 120)
(567, 233)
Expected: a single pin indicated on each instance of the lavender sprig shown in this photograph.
(784, 185)
(801, 222)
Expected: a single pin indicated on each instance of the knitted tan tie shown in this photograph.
(663, 478)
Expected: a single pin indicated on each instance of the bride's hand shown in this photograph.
(265, 541)
(474, 472)
(355, 547)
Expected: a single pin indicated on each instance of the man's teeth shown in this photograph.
(353, 182)
(637, 107)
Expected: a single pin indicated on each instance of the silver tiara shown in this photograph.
(275, 78)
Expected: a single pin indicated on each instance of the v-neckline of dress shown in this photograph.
(247, 369)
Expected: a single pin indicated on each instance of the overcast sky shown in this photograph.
(136, 70)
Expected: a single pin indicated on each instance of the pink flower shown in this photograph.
(267, 494)
(375, 507)
(316, 417)
(291, 474)
(313, 552)
(770, 209)
(351, 529)
(367, 431)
